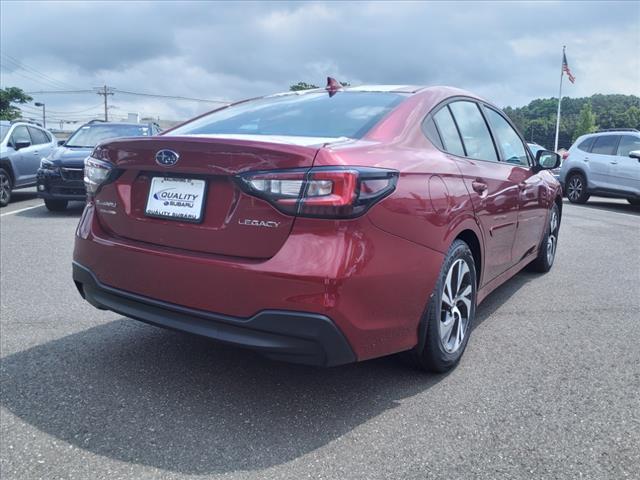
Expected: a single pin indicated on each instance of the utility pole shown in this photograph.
(105, 91)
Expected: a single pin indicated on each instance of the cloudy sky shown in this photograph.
(508, 52)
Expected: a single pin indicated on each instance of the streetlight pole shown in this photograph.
(44, 117)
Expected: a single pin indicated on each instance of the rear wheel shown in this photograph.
(547, 251)
(5, 187)
(450, 312)
(634, 201)
(55, 205)
(577, 188)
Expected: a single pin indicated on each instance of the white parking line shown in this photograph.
(21, 210)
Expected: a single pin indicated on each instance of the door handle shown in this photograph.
(585, 159)
(613, 163)
(479, 186)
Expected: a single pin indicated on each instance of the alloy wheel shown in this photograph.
(574, 189)
(5, 188)
(457, 295)
(552, 239)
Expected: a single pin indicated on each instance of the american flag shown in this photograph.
(565, 68)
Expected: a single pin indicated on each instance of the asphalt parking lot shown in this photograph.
(549, 386)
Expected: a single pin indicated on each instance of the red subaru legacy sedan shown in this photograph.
(320, 227)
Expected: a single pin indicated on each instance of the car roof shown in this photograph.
(612, 132)
(127, 124)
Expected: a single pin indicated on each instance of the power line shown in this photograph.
(174, 97)
(27, 68)
(69, 112)
(27, 76)
(42, 92)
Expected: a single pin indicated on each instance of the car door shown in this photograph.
(24, 157)
(602, 160)
(41, 142)
(493, 192)
(532, 190)
(627, 169)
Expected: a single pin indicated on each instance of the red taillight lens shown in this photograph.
(325, 192)
(565, 155)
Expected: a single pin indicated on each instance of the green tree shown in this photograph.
(302, 86)
(8, 96)
(586, 122)
(308, 86)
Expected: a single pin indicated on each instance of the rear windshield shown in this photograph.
(346, 114)
(89, 136)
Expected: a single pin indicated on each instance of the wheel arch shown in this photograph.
(6, 164)
(579, 170)
(470, 237)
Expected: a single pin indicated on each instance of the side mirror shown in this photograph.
(21, 145)
(547, 160)
(61, 142)
(635, 154)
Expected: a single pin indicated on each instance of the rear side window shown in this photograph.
(512, 147)
(449, 133)
(475, 133)
(586, 144)
(430, 130)
(345, 114)
(20, 135)
(38, 137)
(628, 144)
(605, 145)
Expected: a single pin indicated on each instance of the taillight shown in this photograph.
(96, 173)
(565, 155)
(325, 192)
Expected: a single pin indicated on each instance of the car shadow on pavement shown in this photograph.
(501, 295)
(139, 394)
(609, 205)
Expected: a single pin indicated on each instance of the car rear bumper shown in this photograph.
(373, 285)
(296, 337)
(61, 184)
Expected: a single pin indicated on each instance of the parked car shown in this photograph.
(320, 227)
(60, 177)
(606, 163)
(22, 146)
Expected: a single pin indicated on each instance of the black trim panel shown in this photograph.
(297, 337)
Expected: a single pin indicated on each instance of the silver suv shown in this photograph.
(606, 163)
(22, 146)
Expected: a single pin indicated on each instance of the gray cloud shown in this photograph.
(508, 52)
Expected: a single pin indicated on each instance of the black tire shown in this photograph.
(577, 188)
(548, 246)
(55, 205)
(6, 186)
(634, 201)
(431, 354)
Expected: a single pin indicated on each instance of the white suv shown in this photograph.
(606, 163)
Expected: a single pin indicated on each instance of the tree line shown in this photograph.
(537, 120)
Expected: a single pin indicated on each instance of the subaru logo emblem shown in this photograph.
(167, 158)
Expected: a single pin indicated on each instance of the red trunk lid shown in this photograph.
(232, 222)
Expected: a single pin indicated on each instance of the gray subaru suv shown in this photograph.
(22, 146)
(606, 164)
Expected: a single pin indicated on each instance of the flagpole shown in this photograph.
(555, 147)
